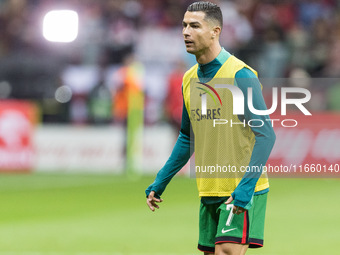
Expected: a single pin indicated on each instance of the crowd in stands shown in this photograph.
(280, 39)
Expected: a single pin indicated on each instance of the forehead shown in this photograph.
(190, 17)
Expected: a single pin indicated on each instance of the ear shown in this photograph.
(216, 32)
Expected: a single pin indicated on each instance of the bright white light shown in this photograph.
(63, 94)
(60, 26)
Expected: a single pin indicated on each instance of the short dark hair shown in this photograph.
(212, 11)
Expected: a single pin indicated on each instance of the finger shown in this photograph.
(155, 205)
(157, 200)
(235, 209)
(150, 206)
(151, 201)
(153, 198)
(239, 210)
(151, 195)
(230, 199)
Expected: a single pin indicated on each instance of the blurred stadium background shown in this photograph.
(86, 124)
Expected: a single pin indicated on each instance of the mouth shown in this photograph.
(188, 42)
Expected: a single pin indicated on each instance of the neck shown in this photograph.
(208, 54)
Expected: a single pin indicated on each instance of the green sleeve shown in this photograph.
(264, 137)
(178, 158)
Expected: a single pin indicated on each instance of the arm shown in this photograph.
(264, 139)
(178, 158)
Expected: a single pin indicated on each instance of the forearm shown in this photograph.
(178, 158)
(180, 155)
(245, 189)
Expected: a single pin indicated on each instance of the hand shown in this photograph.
(236, 209)
(151, 201)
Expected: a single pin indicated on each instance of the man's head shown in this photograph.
(202, 25)
(212, 11)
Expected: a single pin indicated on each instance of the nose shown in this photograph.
(186, 31)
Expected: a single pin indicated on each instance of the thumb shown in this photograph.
(230, 199)
(151, 196)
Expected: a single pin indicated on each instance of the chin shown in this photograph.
(191, 51)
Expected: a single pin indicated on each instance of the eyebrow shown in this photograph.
(191, 23)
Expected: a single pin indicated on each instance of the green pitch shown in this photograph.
(107, 215)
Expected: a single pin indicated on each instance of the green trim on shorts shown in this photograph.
(217, 224)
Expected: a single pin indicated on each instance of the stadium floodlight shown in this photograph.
(63, 94)
(60, 26)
